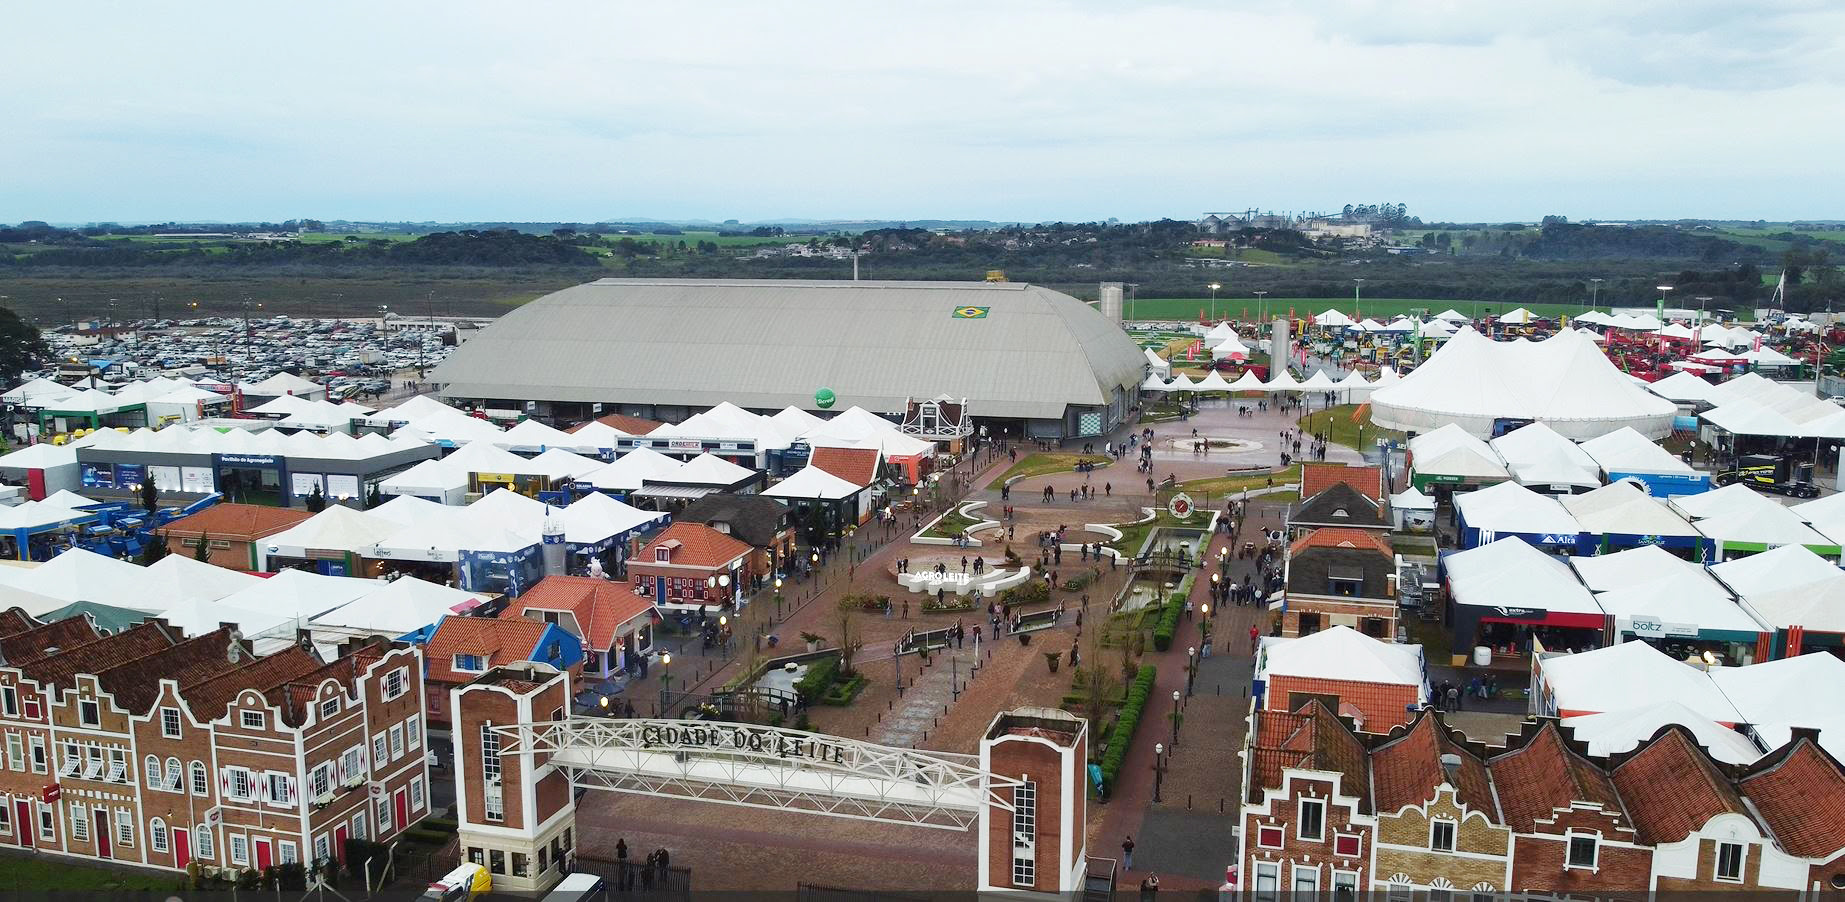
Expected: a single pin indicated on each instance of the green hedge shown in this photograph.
(1123, 734)
(1169, 622)
(1026, 593)
(842, 693)
(819, 677)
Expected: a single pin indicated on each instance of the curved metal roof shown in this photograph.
(1012, 349)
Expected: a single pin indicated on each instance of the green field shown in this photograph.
(53, 300)
(1380, 309)
(694, 238)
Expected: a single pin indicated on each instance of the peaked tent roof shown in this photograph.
(1510, 507)
(813, 482)
(628, 472)
(1623, 509)
(1343, 653)
(1511, 573)
(1630, 675)
(1614, 732)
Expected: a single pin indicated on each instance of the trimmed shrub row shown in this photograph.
(1168, 622)
(819, 677)
(1123, 734)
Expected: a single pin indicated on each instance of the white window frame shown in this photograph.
(157, 835)
(1346, 880)
(79, 822)
(1271, 871)
(1742, 862)
(276, 780)
(201, 778)
(1569, 845)
(124, 828)
(413, 731)
(320, 780)
(89, 712)
(6, 819)
(323, 848)
(71, 762)
(396, 684)
(241, 774)
(176, 776)
(9, 701)
(1300, 820)
(119, 766)
(1277, 829)
(417, 794)
(202, 842)
(384, 816)
(47, 822)
(239, 849)
(329, 707)
(16, 752)
(1294, 881)
(381, 751)
(361, 825)
(480, 660)
(397, 741)
(169, 723)
(286, 852)
(38, 754)
(150, 771)
(252, 720)
(1453, 834)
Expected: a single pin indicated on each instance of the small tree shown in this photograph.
(154, 550)
(150, 495)
(849, 640)
(203, 552)
(316, 502)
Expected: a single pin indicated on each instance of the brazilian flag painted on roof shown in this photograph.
(971, 312)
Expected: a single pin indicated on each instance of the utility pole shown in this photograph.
(1595, 290)
(1261, 306)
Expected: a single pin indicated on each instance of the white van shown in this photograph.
(579, 888)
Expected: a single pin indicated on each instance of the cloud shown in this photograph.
(1034, 110)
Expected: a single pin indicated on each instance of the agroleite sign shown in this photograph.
(740, 738)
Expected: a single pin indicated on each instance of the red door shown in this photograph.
(24, 822)
(263, 859)
(400, 800)
(339, 844)
(182, 848)
(104, 832)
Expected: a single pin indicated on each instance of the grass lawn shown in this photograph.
(951, 525)
(1344, 429)
(1216, 487)
(1381, 309)
(1040, 463)
(68, 875)
(1133, 535)
(1436, 648)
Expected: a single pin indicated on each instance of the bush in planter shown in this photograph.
(820, 674)
(1031, 592)
(1078, 582)
(1051, 658)
(1122, 735)
(1168, 623)
(842, 692)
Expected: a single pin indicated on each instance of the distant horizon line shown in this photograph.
(972, 222)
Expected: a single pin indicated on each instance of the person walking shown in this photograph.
(624, 877)
(1127, 853)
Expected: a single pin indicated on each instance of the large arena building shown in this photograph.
(1028, 360)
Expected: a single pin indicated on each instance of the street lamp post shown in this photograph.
(1357, 286)
(1191, 668)
(1175, 718)
(666, 669)
(1261, 305)
(778, 597)
(1159, 768)
(1595, 293)
(1214, 287)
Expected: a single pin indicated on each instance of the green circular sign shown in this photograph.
(824, 398)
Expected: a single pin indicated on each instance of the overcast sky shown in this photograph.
(999, 110)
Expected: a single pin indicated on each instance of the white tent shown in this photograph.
(1564, 380)
(708, 469)
(1769, 357)
(1825, 514)
(1622, 508)
(1735, 516)
(1153, 382)
(1354, 381)
(800, 421)
(1181, 382)
(1593, 316)
(1537, 455)
(1400, 324)
(80, 575)
(1615, 732)
(283, 384)
(1632, 567)
(1436, 328)
(337, 528)
(1249, 381)
(1411, 499)
(1511, 573)
(443, 538)
(1319, 381)
(1676, 330)
(811, 482)
(1631, 675)
(177, 578)
(1775, 570)
(1156, 365)
(1683, 388)
(1588, 335)
(1627, 451)
(1344, 654)
(596, 518)
(434, 479)
(557, 463)
(1508, 507)
(1212, 381)
(533, 436)
(628, 472)
(37, 392)
(1453, 316)
(1679, 605)
(1229, 348)
(856, 427)
(1451, 451)
(1333, 318)
(1369, 325)
(406, 509)
(398, 608)
(1518, 316)
(70, 499)
(1219, 333)
(1282, 380)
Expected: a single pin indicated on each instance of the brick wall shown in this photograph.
(1707, 881)
(1474, 836)
(1620, 871)
(483, 706)
(1042, 765)
(1384, 705)
(1283, 812)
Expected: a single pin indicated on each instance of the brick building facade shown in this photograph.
(1424, 811)
(157, 749)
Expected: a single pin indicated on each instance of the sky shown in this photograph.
(1031, 111)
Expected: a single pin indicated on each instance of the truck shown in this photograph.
(1771, 473)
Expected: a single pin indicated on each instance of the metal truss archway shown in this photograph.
(763, 767)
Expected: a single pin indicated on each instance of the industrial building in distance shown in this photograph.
(1028, 360)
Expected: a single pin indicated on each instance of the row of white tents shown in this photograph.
(1282, 381)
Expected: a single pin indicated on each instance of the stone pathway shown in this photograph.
(926, 700)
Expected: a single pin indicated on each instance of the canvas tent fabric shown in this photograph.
(1510, 573)
(429, 479)
(1343, 653)
(1510, 508)
(1564, 381)
(1631, 675)
(628, 472)
(400, 608)
(1634, 566)
(1623, 509)
(1736, 518)
(811, 482)
(337, 528)
(1627, 451)
(1615, 732)
(1790, 567)
(1690, 603)
(1451, 454)
(1536, 455)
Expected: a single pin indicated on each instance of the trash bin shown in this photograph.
(1482, 656)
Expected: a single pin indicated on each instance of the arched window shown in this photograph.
(201, 838)
(201, 783)
(175, 776)
(153, 772)
(157, 834)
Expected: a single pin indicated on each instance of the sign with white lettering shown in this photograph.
(722, 737)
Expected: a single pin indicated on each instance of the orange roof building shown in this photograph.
(608, 617)
(677, 567)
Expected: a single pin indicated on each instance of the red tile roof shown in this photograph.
(1801, 796)
(858, 466)
(296, 696)
(1671, 788)
(1544, 776)
(245, 522)
(601, 607)
(699, 546)
(623, 423)
(1318, 477)
(497, 641)
(1341, 537)
(209, 697)
(1312, 738)
(14, 620)
(137, 641)
(135, 682)
(1406, 770)
(33, 644)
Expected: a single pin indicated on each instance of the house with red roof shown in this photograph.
(1339, 576)
(462, 648)
(614, 625)
(689, 566)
